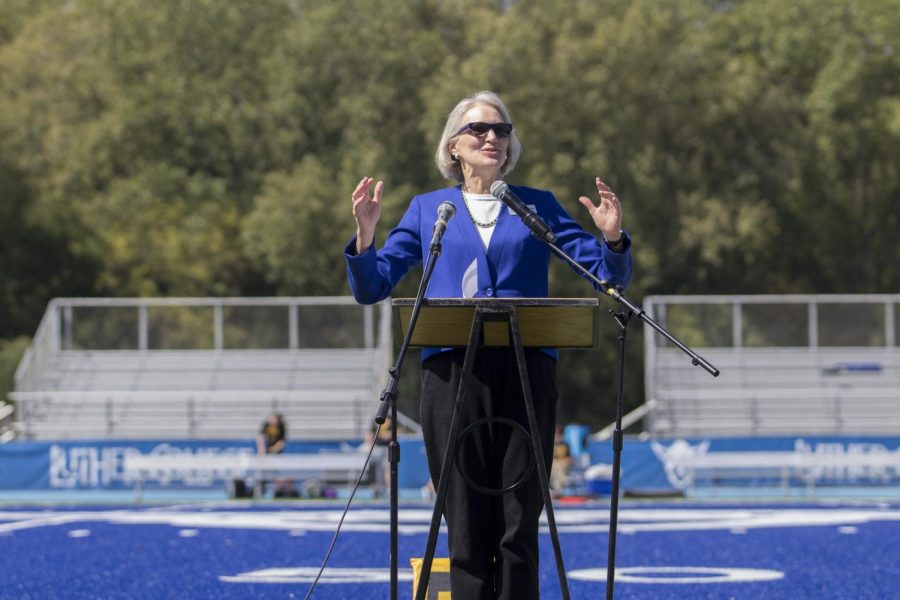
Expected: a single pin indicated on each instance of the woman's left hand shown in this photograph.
(608, 215)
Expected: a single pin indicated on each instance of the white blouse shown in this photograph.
(483, 210)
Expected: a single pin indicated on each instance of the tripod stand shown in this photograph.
(500, 322)
(445, 330)
(622, 317)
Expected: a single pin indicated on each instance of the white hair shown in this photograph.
(449, 167)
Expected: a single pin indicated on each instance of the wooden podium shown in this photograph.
(496, 322)
(543, 322)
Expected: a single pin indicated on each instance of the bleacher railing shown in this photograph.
(108, 326)
(775, 352)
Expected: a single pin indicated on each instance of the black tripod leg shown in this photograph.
(394, 460)
(538, 448)
(449, 453)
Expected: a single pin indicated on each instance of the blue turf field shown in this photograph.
(846, 550)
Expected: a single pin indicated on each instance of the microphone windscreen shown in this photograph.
(447, 209)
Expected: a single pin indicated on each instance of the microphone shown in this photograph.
(539, 229)
(445, 212)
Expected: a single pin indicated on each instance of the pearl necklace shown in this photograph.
(465, 195)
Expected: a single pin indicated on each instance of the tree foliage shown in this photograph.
(208, 147)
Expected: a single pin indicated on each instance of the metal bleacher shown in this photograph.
(202, 368)
(790, 365)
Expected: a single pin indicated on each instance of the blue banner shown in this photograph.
(98, 464)
(662, 464)
(667, 464)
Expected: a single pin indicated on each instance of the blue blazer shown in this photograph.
(515, 264)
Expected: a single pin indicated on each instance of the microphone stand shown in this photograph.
(389, 401)
(609, 290)
(622, 317)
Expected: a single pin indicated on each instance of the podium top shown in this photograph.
(543, 322)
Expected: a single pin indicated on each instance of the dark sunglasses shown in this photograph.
(479, 129)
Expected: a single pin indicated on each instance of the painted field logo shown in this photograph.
(308, 575)
(680, 575)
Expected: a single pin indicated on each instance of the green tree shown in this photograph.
(357, 109)
(210, 147)
(11, 353)
(35, 261)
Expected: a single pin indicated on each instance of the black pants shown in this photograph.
(493, 539)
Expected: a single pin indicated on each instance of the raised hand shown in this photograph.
(366, 211)
(608, 215)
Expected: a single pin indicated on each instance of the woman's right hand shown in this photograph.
(366, 211)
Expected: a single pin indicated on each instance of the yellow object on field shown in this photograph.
(438, 580)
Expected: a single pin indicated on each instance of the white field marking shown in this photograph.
(648, 520)
(847, 529)
(417, 521)
(34, 520)
(187, 533)
(201, 506)
(79, 533)
(680, 575)
(376, 521)
(308, 575)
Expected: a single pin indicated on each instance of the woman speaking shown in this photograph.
(487, 252)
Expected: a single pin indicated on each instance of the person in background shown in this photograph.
(562, 463)
(487, 252)
(380, 463)
(272, 435)
(272, 439)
